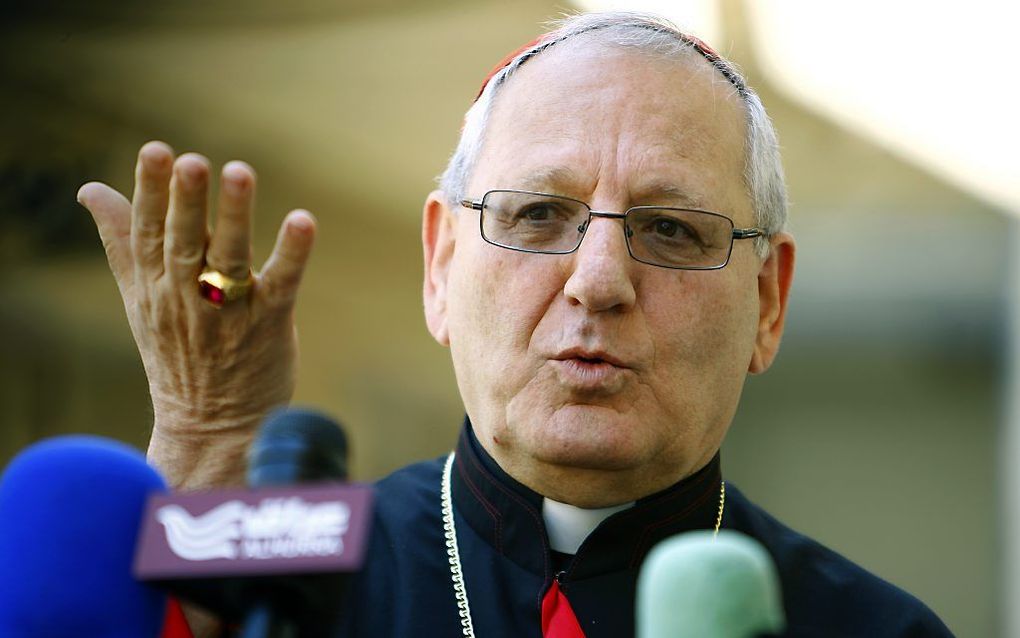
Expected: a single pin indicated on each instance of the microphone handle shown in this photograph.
(262, 621)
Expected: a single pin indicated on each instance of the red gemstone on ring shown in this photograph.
(211, 293)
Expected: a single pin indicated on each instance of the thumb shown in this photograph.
(111, 212)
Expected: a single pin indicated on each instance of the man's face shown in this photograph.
(591, 377)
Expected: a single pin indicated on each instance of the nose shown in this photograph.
(602, 275)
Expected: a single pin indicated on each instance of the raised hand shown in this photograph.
(214, 371)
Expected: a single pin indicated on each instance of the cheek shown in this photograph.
(473, 315)
(496, 298)
(703, 335)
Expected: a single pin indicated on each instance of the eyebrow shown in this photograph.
(552, 178)
(669, 194)
(566, 181)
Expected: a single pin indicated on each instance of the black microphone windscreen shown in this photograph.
(297, 446)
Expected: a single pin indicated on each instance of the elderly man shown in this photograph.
(607, 262)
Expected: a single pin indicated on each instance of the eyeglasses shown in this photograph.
(678, 238)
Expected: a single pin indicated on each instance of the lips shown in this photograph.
(590, 357)
(588, 372)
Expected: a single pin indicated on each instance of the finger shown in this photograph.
(186, 232)
(149, 202)
(230, 246)
(279, 280)
(111, 212)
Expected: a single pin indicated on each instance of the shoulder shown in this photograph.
(825, 593)
(413, 480)
(405, 557)
(409, 494)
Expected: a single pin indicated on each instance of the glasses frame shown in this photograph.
(737, 233)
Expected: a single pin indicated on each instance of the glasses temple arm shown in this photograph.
(747, 233)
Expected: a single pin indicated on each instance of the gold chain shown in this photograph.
(722, 504)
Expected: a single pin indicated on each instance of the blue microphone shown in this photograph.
(70, 509)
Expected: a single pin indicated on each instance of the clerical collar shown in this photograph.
(509, 516)
(568, 526)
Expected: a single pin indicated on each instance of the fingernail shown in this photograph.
(191, 169)
(155, 155)
(237, 176)
(78, 196)
(301, 221)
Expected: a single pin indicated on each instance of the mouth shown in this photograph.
(590, 357)
(589, 371)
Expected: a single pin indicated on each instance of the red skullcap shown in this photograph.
(506, 62)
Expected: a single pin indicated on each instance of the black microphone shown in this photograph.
(273, 559)
(297, 446)
(294, 447)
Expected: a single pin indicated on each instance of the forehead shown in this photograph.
(595, 118)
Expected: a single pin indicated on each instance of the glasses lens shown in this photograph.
(679, 238)
(532, 221)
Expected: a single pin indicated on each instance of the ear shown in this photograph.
(438, 238)
(774, 280)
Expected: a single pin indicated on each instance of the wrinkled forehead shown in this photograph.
(595, 111)
(676, 81)
(648, 36)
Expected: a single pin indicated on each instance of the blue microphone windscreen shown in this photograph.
(70, 510)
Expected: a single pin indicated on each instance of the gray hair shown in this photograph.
(763, 169)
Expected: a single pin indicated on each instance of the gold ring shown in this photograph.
(218, 289)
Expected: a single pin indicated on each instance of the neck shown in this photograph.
(586, 487)
(593, 488)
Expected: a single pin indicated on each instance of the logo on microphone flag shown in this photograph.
(270, 530)
(275, 528)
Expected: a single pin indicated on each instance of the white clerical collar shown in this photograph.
(568, 526)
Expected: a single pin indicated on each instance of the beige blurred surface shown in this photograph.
(875, 432)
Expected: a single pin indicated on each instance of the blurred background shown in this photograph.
(876, 432)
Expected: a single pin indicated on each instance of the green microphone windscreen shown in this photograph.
(696, 585)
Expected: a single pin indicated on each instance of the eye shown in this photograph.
(541, 212)
(537, 213)
(673, 228)
(667, 227)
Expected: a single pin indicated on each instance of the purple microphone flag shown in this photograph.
(279, 530)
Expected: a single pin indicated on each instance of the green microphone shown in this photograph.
(700, 585)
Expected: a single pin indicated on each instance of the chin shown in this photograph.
(588, 437)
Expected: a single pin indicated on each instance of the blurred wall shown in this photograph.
(874, 432)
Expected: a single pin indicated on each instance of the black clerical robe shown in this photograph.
(406, 588)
